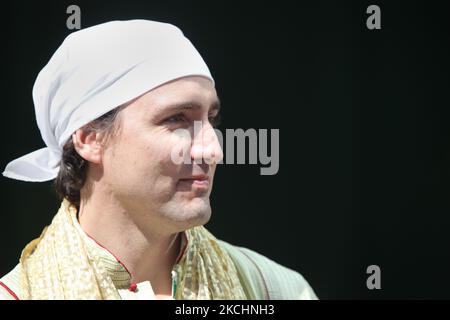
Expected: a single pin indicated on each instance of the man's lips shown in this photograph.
(199, 181)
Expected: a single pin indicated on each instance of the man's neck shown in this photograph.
(147, 255)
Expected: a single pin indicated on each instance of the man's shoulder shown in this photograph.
(265, 279)
(10, 284)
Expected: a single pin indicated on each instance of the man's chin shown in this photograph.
(200, 217)
(197, 215)
(188, 213)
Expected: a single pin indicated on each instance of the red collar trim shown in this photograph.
(180, 255)
(9, 290)
(118, 260)
(184, 239)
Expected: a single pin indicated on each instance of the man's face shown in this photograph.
(138, 166)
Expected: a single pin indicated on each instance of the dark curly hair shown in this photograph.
(73, 168)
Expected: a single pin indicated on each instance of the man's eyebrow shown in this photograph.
(190, 105)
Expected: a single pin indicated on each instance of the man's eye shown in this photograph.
(175, 119)
(214, 120)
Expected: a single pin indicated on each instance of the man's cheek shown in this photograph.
(177, 147)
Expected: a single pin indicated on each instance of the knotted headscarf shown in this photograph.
(94, 71)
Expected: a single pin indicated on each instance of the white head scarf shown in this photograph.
(94, 71)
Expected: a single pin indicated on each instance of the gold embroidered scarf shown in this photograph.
(57, 266)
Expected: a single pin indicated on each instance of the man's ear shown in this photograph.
(88, 145)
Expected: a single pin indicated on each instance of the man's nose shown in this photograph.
(206, 145)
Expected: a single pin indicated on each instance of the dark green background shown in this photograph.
(364, 142)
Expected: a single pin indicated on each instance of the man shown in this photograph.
(110, 105)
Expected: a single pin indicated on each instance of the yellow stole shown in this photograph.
(57, 266)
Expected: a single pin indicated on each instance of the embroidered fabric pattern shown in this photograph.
(57, 266)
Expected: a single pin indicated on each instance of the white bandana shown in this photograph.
(94, 71)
